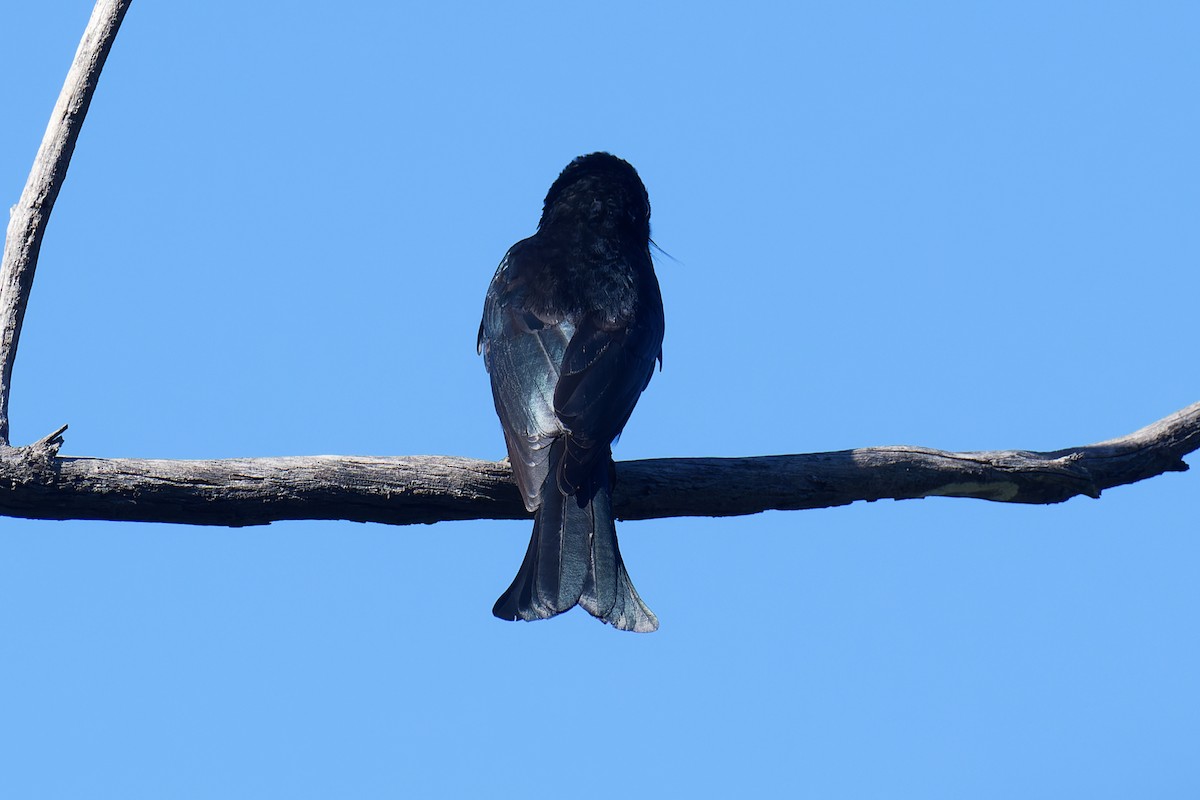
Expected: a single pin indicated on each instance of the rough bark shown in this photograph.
(29, 217)
(35, 483)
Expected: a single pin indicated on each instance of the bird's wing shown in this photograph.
(604, 370)
(523, 353)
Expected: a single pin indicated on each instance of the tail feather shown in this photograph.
(573, 559)
(608, 593)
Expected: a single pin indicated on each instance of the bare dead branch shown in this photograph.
(35, 483)
(29, 217)
(38, 484)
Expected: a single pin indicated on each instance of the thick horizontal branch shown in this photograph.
(36, 483)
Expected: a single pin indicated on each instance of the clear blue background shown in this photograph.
(958, 225)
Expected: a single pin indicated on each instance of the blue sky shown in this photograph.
(964, 226)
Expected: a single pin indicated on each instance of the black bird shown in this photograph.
(572, 326)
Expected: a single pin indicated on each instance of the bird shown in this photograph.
(571, 332)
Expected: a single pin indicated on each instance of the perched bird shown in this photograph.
(572, 326)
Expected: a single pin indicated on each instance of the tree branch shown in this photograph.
(29, 217)
(36, 484)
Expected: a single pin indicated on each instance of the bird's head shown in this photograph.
(601, 191)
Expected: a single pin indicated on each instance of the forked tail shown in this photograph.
(573, 559)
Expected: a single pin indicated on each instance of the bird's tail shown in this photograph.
(573, 559)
